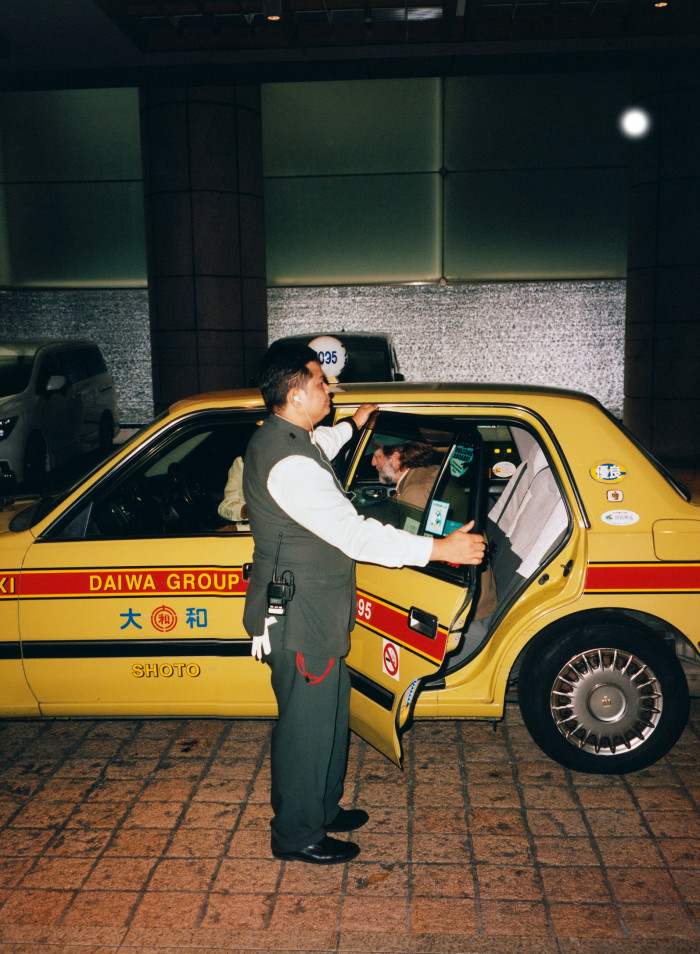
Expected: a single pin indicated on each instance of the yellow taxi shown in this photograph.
(123, 596)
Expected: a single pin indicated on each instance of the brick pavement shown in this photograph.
(145, 836)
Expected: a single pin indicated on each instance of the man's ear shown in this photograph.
(295, 397)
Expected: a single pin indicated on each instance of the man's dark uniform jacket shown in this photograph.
(320, 616)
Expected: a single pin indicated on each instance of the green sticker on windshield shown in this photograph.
(460, 460)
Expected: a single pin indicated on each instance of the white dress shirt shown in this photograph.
(314, 498)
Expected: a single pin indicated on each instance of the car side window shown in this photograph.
(422, 475)
(94, 361)
(173, 487)
(74, 365)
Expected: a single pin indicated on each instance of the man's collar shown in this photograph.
(283, 424)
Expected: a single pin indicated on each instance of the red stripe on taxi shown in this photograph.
(642, 577)
(130, 581)
(391, 622)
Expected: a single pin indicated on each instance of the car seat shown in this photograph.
(528, 523)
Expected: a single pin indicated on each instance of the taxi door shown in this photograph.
(408, 620)
(131, 601)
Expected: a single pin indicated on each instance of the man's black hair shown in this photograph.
(284, 366)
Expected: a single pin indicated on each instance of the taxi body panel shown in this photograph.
(156, 638)
(124, 596)
(408, 654)
(478, 690)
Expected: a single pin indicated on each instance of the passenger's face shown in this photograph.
(316, 400)
(387, 465)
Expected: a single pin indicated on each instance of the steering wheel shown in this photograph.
(188, 496)
(373, 495)
(132, 511)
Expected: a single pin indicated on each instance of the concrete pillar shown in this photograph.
(662, 361)
(203, 192)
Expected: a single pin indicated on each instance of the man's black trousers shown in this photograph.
(309, 744)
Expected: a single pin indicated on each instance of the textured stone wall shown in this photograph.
(565, 334)
(116, 319)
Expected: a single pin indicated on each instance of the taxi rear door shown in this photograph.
(408, 620)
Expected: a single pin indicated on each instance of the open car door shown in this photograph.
(408, 620)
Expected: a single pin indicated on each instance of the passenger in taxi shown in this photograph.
(233, 507)
(300, 603)
(413, 467)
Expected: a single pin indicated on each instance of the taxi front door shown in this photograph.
(156, 630)
(408, 620)
(132, 603)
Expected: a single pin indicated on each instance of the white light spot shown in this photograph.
(635, 123)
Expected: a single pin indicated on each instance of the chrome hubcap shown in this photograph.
(605, 701)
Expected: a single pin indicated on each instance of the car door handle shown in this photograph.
(424, 623)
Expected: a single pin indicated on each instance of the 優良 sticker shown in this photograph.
(605, 472)
(619, 518)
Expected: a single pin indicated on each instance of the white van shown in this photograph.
(57, 400)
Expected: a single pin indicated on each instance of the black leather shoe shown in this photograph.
(348, 819)
(327, 851)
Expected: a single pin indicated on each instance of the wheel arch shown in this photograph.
(582, 701)
(647, 623)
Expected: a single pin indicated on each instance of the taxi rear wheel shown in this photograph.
(607, 698)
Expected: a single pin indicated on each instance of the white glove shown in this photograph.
(261, 644)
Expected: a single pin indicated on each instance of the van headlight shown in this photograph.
(6, 426)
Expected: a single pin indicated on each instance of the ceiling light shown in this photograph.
(272, 9)
(635, 122)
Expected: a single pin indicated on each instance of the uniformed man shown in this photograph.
(307, 538)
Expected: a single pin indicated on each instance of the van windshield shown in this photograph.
(15, 372)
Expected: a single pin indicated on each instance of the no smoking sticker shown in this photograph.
(390, 659)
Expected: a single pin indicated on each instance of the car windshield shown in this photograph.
(36, 510)
(15, 372)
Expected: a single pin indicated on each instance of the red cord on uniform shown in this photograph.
(312, 680)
